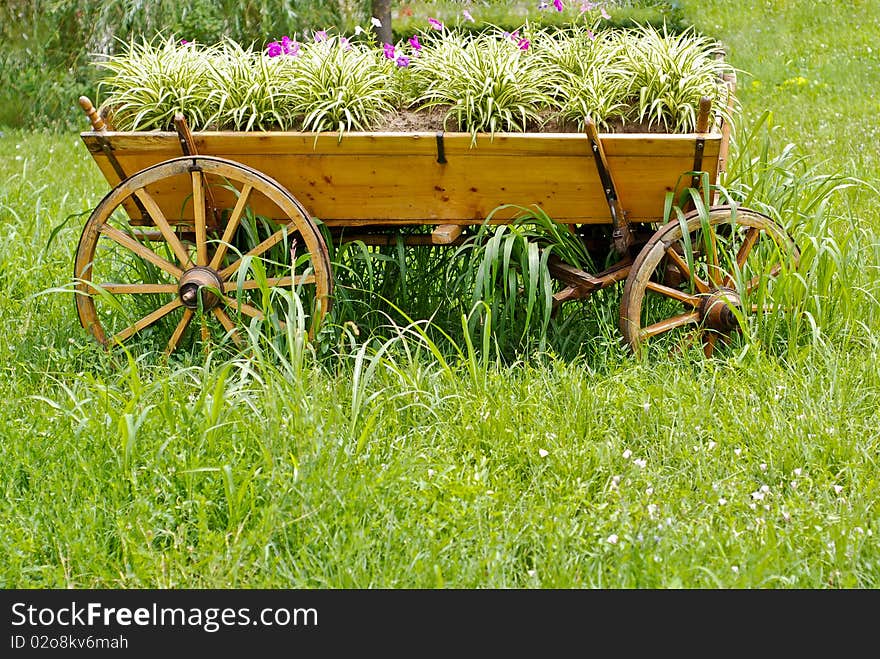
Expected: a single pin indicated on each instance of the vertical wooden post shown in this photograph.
(97, 123)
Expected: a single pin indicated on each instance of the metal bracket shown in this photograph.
(699, 148)
(441, 152)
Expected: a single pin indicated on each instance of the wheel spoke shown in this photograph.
(227, 323)
(164, 227)
(241, 307)
(198, 185)
(136, 289)
(713, 266)
(270, 282)
(231, 226)
(709, 342)
(272, 240)
(142, 251)
(147, 320)
(178, 331)
(669, 324)
(674, 293)
(742, 255)
(682, 265)
(752, 283)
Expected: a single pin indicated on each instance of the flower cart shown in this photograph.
(199, 226)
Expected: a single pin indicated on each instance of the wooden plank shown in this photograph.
(446, 234)
(412, 187)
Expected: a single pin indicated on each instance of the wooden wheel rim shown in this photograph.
(295, 219)
(705, 306)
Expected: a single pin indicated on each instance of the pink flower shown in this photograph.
(183, 42)
(557, 4)
(402, 61)
(273, 49)
(389, 51)
(587, 6)
(435, 24)
(346, 45)
(467, 16)
(414, 42)
(605, 14)
(523, 44)
(289, 47)
(320, 35)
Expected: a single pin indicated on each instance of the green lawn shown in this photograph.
(413, 467)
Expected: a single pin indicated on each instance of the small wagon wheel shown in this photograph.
(697, 285)
(166, 277)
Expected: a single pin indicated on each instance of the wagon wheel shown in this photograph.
(697, 286)
(190, 273)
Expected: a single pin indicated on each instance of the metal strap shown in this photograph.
(441, 152)
(698, 162)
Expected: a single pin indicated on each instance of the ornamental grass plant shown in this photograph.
(492, 81)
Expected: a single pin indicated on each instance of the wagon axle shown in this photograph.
(200, 285)
(717, 310)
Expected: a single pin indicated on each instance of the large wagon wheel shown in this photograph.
(169, 277)
(698, 284)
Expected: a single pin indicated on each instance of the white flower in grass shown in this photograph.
(652, 510)
(735, 568)
(612, 539)
(646, 406)
(358, 30)
(753, 506)
(376, 22)
(838, 489)
(712, 445)
(737, 451)
(615, 481)
(532, 573)
(641, 463)
(722, 501)
(758, 495)
(430, 473)
(793, 485)
(797, 471)
(649, 491)
(765, 489)
(763, 466)
(626, 454)
(543, 452)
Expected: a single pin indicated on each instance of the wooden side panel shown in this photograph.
(396, 178)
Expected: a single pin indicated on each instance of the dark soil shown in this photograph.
(432, 120)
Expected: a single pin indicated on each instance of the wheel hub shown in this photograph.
(717, 310)
(200, 285)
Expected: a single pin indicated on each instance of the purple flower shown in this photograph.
(435, 24)
(542, 5)
(587, 6)
(289, 47)
(402, 61)
(557, 4)
(389, 51)
(414, 42)
(346, 45)
(183, 42)
(523, 44)
(605, 14)
(467, 16)
(320, 35)
(273, 49)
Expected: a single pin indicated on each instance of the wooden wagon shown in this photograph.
(199, 226)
